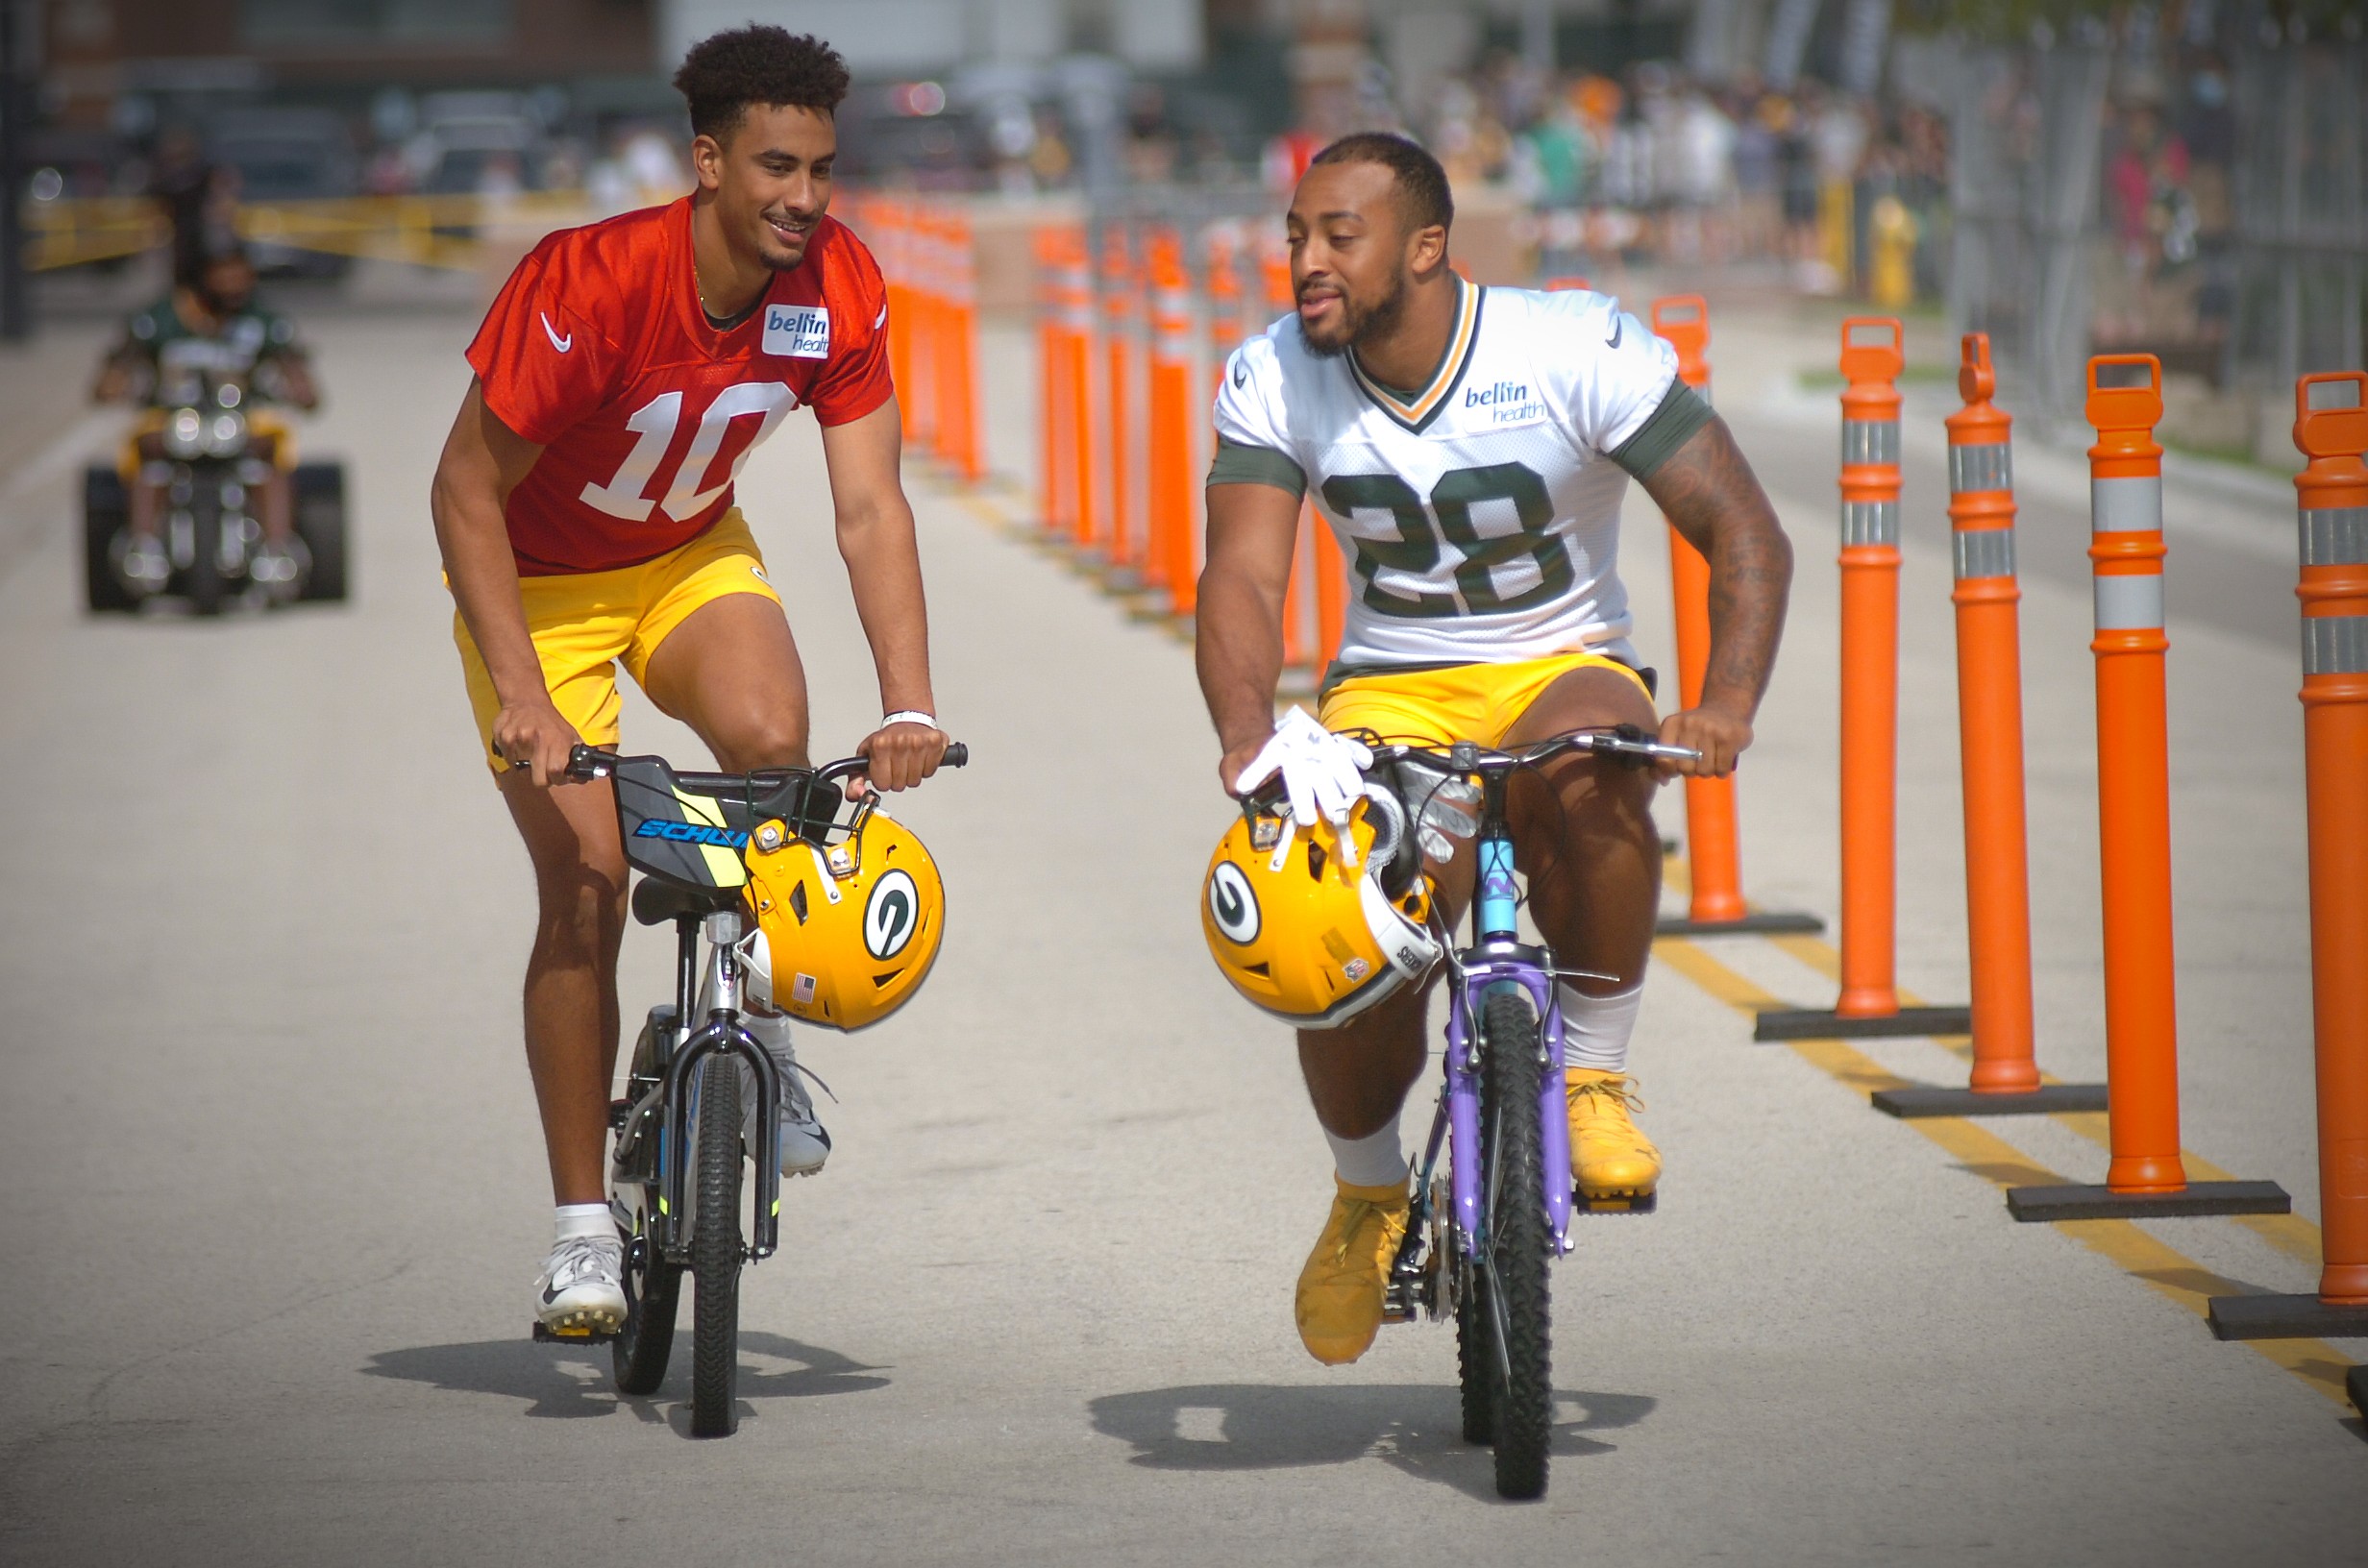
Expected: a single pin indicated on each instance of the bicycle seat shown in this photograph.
(658, 901)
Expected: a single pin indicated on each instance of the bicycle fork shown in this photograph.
(722, 1032)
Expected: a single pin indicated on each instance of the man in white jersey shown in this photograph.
(1471, 448)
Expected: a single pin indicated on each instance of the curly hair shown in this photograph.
(1421, 184)
(757, 64)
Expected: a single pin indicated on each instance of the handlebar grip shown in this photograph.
(585, 763)
(958, 755)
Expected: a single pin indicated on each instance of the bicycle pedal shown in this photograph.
(544, 1335)
(1645, 1204)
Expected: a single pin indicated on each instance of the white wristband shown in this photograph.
(909, 716)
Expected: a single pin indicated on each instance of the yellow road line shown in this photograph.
(2136, 1252)
(2293, 1234)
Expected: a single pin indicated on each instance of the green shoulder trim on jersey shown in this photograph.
(1672, 426)
(1238, 462)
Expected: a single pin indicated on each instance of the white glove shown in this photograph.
(1323, 774)
(1450, 813)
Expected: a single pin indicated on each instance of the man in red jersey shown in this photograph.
(584, 506)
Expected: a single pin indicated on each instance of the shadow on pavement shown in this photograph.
(571, 1381)
(1415, 1426)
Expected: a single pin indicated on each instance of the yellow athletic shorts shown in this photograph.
(584, 622)
(1475, 702)
(151, 421)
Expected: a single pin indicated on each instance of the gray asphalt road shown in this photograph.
(276, 1195)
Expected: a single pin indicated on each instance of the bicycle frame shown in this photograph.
(1497, 958)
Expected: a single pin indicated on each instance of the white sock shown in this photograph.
(581, 1221)
(1596, 1029)
(1371, 1160)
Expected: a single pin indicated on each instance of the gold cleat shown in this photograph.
(1613, 1161)
(1342, 1288)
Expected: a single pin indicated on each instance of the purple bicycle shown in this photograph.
(1481, 1233)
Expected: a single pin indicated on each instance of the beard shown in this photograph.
(1360, 324)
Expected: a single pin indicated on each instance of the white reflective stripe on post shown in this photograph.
(1983, 552)
(2335, 536)
(1870, 441)
(2126, 505)
(2335, 645)
(2130, 604)
(1986, 466)
(1870, 523)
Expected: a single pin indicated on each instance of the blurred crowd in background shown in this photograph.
(2188, 177)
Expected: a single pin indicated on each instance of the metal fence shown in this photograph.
(2203, 200)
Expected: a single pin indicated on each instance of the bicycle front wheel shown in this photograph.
(716, 1252)
(1511, 1289)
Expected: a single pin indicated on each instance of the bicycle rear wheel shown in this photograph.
(653, 1290)
(716, 1252)
(1511, 1289)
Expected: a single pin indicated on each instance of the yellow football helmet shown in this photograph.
(1307, 934)
(844, 932)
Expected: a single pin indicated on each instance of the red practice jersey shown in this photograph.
(598, 351)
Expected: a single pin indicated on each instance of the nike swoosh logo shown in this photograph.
(1241, 372)
(1618, 327)
(550, 1295)
(562, 344)
(880, 320)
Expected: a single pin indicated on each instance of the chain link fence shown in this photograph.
(2204, 200)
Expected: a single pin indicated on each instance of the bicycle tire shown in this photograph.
(1475, 1359)
(646, 1340)
(1520, 1245)
(716, 1253)
(205, 584)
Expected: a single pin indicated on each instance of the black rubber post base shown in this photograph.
(1760, 922)
(2043, 1204)
(2284, 1318)
(1824, 1023)
(1918, 1100)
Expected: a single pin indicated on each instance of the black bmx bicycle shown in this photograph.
(676, 1177)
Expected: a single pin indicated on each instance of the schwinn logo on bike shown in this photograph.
(798, 332)
(722, 838)
(891, 915)
(1232, 905)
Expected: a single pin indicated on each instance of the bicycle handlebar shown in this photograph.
(1464, 757)
(586, 763)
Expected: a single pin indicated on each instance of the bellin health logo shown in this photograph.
(798, 332)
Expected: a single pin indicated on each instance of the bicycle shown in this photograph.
(674, 1174)
(1480, 1235)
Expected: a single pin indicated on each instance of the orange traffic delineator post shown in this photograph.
(2146, 1176)
(1315, 555)
(1061, 394)
(1076, 273)
(1119, 307)
(2330, 428)
(1871, 361)
(1167, 466)
(954, 283)
(1989, 717)
(1715, 905)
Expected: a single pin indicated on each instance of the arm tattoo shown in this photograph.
(1714, 501)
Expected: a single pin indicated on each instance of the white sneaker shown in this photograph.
(582, 1287)
(804, 1142)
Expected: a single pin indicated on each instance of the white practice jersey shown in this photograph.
(1480, 517)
